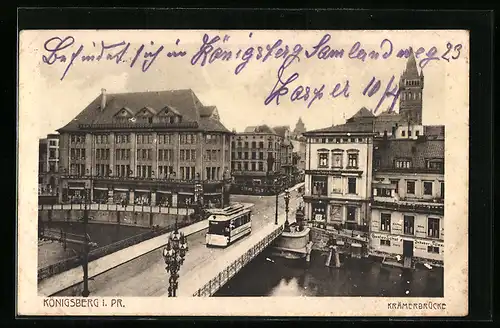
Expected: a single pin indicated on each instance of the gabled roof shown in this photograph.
(181, 102)
(264, 129)
(353, 127)
(416, 150)
(281, 130)
(363, 112)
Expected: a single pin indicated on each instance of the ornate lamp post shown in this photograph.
(287, 200)
(174, 254)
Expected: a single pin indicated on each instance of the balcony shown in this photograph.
(424, 170)
(413, 205)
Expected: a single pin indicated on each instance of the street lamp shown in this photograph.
(287, 200)
(174, 254)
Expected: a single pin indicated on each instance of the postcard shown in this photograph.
(243, 172)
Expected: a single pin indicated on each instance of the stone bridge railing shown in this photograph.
(231, 270)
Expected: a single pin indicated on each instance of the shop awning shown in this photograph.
(185, 193)
(164, 192)
(118, 189)
(211, 194)
(76, 188)
(145, 191)
(100, 188)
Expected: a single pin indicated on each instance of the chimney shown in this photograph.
(103, 99)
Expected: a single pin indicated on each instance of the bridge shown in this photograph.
(140, 270)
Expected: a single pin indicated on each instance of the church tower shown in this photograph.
(300, 128)
(411, 85)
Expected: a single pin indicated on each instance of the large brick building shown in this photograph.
(148, 148)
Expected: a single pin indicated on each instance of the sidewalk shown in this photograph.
(74, 276)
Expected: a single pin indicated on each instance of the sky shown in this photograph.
(50, 102)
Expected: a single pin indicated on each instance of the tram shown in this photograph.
(228, 224)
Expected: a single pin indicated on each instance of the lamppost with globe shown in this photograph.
(174, 254)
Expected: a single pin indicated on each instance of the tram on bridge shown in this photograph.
(227, 225)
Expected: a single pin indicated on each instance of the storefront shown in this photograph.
(121, 196)
(318, 210)
(100, 195)
(164, 198)
(421, 249)
(142, 197)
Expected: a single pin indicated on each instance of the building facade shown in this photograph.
(338, 176)
(407, 216)
(146, 148)
(48, 165)
(256, 160)
(383, 175)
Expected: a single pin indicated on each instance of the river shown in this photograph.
(274, 276)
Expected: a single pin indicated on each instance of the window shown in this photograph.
(261, 166)
(319, 185)
(261, 144)
(409, 222)
(433, 249)
(428, 188)
(433, 227)
(396, 185)
(337, 185)
(435, 164)
(384, 192)
(353, 161)
(402, 163)
(417, 133)
(403, 134)
(246, 155)
(409, 133)
(351, 213)
(337, 160)
(385, 242)
(410, 187)
(245, 166)
(254, 155)
(351, 184)
(254, 144)
(385, 222)
(261, 155)
(323, 160)
(246, 144)
(442, 190)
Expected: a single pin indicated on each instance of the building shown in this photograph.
(299, 130)
(288, 163)
(146, 148)
(383, 174)
(48, 165)
(256, 160)
(338, 175)
(407, 216)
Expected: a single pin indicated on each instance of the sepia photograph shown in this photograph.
(242, 168)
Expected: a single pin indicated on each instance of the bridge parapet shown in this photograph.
(214, 284)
